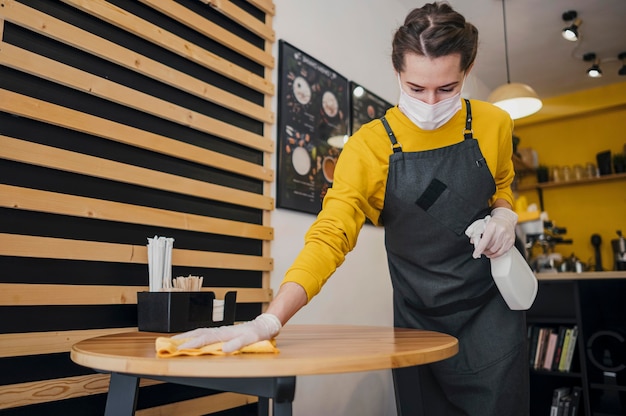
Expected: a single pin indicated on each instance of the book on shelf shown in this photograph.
(532, 343)
(559, 348)
(541, 348)
(566, 401)
(558, 394)
(550, 349)
(576, 394)
(570, 349)
(564, 406)
(568, 336)
(569, 345)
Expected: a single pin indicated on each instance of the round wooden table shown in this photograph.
(304, 350)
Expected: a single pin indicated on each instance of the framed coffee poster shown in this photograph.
(365, 106)
(313, 106)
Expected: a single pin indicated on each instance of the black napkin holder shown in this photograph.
(181, 311)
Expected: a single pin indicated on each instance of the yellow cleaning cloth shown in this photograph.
(168, 347)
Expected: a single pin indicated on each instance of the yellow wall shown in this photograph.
(569, 130)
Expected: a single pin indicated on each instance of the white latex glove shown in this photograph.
(499, 234)
(266, 326)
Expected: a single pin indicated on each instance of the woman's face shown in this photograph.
(431, 80)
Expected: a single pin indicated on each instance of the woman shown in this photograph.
(427, 170)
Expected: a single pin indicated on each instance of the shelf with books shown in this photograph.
(593, 310)
(542, 391)
(553, 348)
(566, 401)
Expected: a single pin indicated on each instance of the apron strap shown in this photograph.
(395, 146)
(468, 132)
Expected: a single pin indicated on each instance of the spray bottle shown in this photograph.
(513, 276)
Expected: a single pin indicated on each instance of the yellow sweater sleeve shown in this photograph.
(360, 178)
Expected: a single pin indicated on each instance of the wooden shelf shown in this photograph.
(546, 185)
(556, 373)
(582, 276)
(520, 166)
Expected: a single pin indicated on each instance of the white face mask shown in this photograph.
(429, 116)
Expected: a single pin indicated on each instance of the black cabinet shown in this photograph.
(597, 307)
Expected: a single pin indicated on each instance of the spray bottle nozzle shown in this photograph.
(476, 229)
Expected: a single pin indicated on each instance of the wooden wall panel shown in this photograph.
(121, 120)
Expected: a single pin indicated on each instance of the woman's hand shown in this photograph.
(266, 326)
(499, 234)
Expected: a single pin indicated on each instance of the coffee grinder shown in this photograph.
(619, 251)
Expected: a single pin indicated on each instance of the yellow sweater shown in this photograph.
(360, 179)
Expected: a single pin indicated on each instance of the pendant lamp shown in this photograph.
(517, 99)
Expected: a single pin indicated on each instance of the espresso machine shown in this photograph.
(540, 237)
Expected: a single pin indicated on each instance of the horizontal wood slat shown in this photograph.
(52, 342)
(152, 33)
(22, 294)
(63, 204)
(266, 5)
(64, 160)
(43, 111)
(15, 103)
(45, 68)
(59, 248)
(211, 30)
(240, 16)
(44, 391)
(248, 118)
(200, 406)
(48, 26)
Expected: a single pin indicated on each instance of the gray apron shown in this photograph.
(431, 198)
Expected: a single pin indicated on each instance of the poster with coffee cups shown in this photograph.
(313, 107)
(365, 106)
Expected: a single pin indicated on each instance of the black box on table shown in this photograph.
(181, 311)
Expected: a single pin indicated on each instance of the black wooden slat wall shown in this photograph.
(121, 120)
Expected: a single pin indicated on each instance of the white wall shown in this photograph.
(353, 37)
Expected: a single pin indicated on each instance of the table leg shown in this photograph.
(122, 397)
(282, 409)
(263, 406)
(284, 392)
(406, 383)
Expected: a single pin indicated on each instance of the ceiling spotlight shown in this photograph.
(594, 70)
(622, 57)
(571, 32)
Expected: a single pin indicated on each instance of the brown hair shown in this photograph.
(435, 30)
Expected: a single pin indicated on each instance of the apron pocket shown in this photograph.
(448, 207)
(457, 306)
